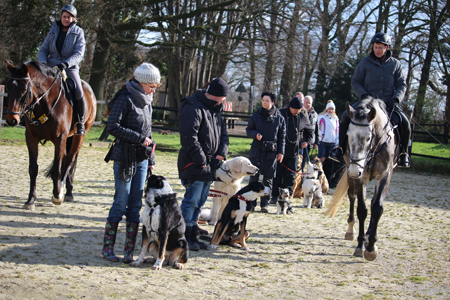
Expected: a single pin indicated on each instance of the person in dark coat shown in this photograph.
(267, 128)
(204, 145)
(380, 75)
(299, 134)
(130, 122)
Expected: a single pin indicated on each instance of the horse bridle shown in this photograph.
(28, 111)
(365, 158)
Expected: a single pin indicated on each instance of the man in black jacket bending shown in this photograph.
(299, 134)
(204, 144)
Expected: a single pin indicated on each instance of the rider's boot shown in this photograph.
(80, 113)
(403, 159)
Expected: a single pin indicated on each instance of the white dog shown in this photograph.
(230, 175)
(312, 188)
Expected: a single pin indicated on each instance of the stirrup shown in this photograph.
(403, 161)
(80, 129)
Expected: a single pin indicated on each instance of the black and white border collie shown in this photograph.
(163, 227)
(234, 217)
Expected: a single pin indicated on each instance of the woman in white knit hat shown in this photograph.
(130, 122)
(328, 137)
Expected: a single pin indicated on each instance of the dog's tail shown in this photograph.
(338, 196)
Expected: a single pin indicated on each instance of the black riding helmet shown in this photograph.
(70, 9)
(381, 37)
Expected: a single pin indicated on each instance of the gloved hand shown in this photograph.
(391, 105)
(62, 66)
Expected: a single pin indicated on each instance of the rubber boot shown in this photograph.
(188, 234)
(194, 233)
(109, 240)
(80, 112)
(130, 241)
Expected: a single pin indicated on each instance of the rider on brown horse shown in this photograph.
(379, 75)
(64, 48)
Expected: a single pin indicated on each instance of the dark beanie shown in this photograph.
(296, 103)
(217, 87)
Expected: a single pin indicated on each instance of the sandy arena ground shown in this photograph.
(54, 251)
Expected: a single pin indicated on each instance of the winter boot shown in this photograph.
(194, 233)
(109, 240)
(188, 234)
(130, 241)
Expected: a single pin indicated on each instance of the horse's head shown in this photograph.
(18, 87)
(360, 136)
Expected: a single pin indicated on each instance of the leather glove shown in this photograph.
(62, 66)
(391, 105)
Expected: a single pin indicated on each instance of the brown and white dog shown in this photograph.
(230, 229)
(315, 184)
(163, 227)
(229, 177)
(297, 191)
(299, 179)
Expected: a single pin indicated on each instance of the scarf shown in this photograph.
(268, 112)
(141, 98)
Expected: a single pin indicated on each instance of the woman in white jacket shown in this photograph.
(328, 137)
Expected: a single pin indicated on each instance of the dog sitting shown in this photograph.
(229, 177)
(230, 229)
(312, 185)
(163, 227)
(283, 204)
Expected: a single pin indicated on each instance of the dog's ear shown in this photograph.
(237, 166)
(155, 182)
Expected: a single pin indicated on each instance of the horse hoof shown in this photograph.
(349, 236)
(358, 252)
(69, 198)
(29, 206)
(57, 201)
(371, 255)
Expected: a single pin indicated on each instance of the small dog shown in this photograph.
(164, 132)
(230, 230)
(283, 204)
(163, 227)
(312, 185)
(229, 177)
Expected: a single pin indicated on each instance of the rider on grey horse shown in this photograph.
(379, 75)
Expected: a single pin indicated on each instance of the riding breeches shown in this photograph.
(75, 75)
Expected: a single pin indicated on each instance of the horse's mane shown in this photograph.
(364, 107)
(45, 69)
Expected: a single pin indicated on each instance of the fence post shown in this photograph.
(2, 90)
(446, 132)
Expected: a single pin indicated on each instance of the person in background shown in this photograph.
(314, 122)
(130, 122)
(328, 137)
(204, 145)
(299, 134)
(379, 75)
(267, 128)
(64, 48)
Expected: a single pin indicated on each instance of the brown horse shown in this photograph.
(369, 155)
(35, 92)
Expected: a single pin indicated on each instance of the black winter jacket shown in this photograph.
(203, 136)
(128, 123)
(273, 130)
(298, 130)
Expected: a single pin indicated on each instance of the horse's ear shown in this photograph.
(350, 110)
(10, 66)
(24, 69)
(372, 114)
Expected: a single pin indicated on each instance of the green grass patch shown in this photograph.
(427, 165)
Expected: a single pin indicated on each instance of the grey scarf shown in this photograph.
(141, 98)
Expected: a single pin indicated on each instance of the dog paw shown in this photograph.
(212, 247)
(156, 267)
(245, 248)
(136, 263)
(179, 266)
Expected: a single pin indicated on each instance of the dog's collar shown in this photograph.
(163, 198)
(227, 172)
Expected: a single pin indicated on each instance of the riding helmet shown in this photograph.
(381, 37)
(70, 9)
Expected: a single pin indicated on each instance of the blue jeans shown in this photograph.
(194, 199)
(128, 195)
(324, 150)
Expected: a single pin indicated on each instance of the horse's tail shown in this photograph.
(338, 196)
